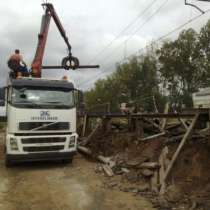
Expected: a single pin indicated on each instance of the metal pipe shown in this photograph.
(79, 67)
(138, 116)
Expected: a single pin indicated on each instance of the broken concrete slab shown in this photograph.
(136, 162)
(147, 172)
(150, 165)
(108, 171)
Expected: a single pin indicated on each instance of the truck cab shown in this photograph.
(41, 120)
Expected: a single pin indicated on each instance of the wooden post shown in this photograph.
(164, 121)
(85, 125)
(154, 136)
(108, 108)
(163, 166)
(139, 128)
(100, 158)
(154, 124)
(106, 124)
(183, 123)
(94, 131)
(174, 158)
(129, 122)
(154, 182)
(155, 104)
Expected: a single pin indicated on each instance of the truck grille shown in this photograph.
(27, 126)
(43, 149)
(43, 140)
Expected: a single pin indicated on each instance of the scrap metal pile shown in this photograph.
(165, 160)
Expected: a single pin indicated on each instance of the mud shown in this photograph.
(57, 186)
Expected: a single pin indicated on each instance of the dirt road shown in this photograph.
(56, 186)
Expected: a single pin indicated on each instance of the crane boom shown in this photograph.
(59, 25)
(42, 39)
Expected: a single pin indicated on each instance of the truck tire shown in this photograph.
(8, 162)
(70, 63)
(67, 161)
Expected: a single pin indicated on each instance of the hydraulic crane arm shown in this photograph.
(42, 39)
(57, 21)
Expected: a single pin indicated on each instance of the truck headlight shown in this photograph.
(72, 141)
(13, 144)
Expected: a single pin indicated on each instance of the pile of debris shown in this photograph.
(126, 159)
(153, 164)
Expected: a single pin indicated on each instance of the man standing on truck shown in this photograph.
(17, 64)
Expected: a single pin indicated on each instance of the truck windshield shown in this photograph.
(54, 98)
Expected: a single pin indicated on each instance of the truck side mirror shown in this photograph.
(2, 96)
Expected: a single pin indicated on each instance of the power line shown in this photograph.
(157, 40)
(182, 26)
(125, 29)
(139, 28)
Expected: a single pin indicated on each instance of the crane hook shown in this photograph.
(70, 62)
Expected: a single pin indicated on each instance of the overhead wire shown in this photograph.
(139, 28)
(156, 41)
(123, 30)
(142, 25)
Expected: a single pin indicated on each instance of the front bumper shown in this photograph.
(40, 157)
(41, 145)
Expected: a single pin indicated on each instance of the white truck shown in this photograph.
(41, 120)
(41, 113)
(201, 99)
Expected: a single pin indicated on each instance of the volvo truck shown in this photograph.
(41, 120)
(41, 113)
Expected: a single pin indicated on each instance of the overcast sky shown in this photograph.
(91, 25)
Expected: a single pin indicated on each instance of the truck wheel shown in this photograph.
(67, 161)
(8, 163)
